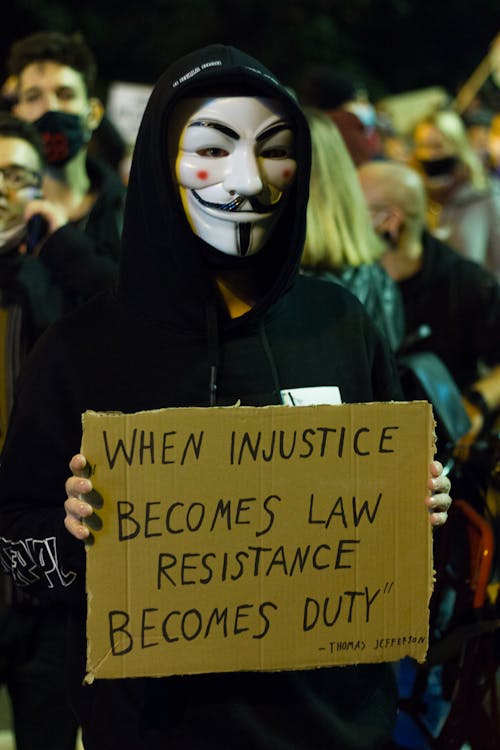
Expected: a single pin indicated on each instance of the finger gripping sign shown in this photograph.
(242, 538)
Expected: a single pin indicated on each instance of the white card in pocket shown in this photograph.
(320, 394)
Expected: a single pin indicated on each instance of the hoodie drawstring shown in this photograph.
(213, 355)
(269, 354)
(213, 351)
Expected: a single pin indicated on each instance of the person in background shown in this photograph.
(458, 301)
(31, 664)
(83, 197)
(463, 202)
(345, 100)
(210, 309)
(29, 298)
(456, 298)
(340, 243)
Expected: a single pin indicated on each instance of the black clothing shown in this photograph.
(74, 263)
(34, 671)
(379, 294)
(26, 282)
(160, 341)
(30, 301)
(460, 301)
(83, 257)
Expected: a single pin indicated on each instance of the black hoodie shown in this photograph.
(164, 339)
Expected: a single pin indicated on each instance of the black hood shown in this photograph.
(164, 273)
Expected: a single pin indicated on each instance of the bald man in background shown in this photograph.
(457, 298)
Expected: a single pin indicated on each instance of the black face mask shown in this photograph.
(438, 167)
(63, 136)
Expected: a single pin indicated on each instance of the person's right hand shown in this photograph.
(81, 501)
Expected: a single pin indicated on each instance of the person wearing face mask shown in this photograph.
(456, 298)
(458, 302)
(30, 300)
(83, 197)
(463, 201)
(209, 310)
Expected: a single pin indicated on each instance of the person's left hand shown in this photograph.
(439, 500)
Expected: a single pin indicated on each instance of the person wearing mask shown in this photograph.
(463, 207)
(30, 300)
(83, 197)
(456, 298)
(458, 301)
(340, 243)
(209, 309)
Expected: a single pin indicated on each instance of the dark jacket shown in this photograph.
(159, 341)
(83, 257)
(75, 262)
(460, 301)
(378, 293)
(30, 300)
(27, 283)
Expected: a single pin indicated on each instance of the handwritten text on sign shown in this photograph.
(258, 538)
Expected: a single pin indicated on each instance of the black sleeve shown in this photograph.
(78, 262)
(44, 432)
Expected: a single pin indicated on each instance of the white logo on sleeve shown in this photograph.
(32, 560)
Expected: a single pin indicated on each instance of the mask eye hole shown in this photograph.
(275, 152)
(212, 152)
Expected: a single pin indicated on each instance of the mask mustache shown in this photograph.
(235, 203)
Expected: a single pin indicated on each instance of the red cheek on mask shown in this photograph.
(287, 173)
(202, 174)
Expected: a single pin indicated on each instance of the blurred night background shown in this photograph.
(391, 45)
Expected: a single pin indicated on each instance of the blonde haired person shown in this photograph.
(340, 243)
(463, 200)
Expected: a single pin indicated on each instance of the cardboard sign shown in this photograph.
(241, 538)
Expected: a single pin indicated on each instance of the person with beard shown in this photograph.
(463, 201)
(210, 309)
(30, 300)
(83, 197)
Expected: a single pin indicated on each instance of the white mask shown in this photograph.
(234, 164)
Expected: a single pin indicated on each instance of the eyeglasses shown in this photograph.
(17, 178)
